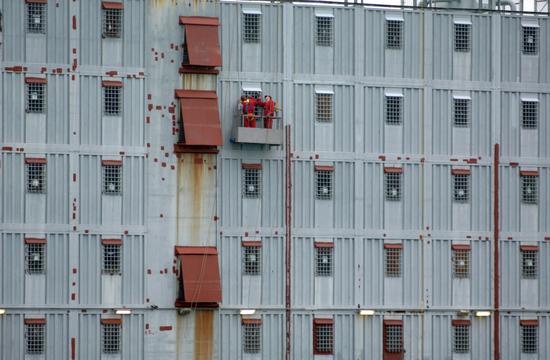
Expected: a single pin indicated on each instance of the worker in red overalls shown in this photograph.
(269, 111)
(249, 106)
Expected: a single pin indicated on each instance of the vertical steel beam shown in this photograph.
(496, 224)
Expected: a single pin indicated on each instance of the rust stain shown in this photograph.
(196, 176)
(204, 334)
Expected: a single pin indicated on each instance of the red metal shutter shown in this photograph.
(201, 36)
(201, 118)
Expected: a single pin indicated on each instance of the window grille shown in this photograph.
(112, 179)
(252, 260)
(393, 110)
(325, 30)
(35, 338)
(461, 339)
(394, 338)
(530, 40)
(36, 178)
(36, 98)
(36, 18)
(252, 338)
(393, 262)
(529, 189)
(461, 263)
(111, 259)
(393, 186)
(35, 258)
(323, 184)
(529, 339)
(112, 23)
(462, 37)
(252, 28)
(112, 99)
(323, 261)
(461, 184)
(252, 183)
(110, 338)
(323, 339)
(394, 29)
(461, 112)
(530, 114)
(529, 264)
(323, 107)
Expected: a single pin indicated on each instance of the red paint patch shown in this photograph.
(165, 328)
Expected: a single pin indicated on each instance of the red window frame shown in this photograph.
(317, 323)
(392, 355)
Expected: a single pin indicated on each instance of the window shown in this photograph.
(35, 257)
(323, 336)
(461, 187)
(35, 170)
(529, 262)
(393, 110)
(35, 333)
(36, 96)
(529, 187)
(252, 27)
(111, 256)
(36, 18)
(462, 37)
(112, 20)
(393, 336)
(323, 182)
(392, 260)
(252, 258)
(323, 259)
(112, 98)
(252, 336)
(392, 183)
(112, 177)
(325, 30)
(461, 112)
(110, 336)
(393, 34)
(252, 181)
(530, 114)
(323, 107)
(461, 261)
(529, 336)
(461, 343)
(530, 40)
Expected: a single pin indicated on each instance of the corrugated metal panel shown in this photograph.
(12, 184)
(510, 294)
(57, 269)
(14, 19)
(13, 108)
(12, 339)
(511, 51)
(89, 339)
(90, 110)
(544, 275)
(11, 258)
(57, 120)
(133, 35)
(57, 336)
(89, 272)
(509, 197)
(134, 108)
(133, 269)
(57, 198)
(133, 344)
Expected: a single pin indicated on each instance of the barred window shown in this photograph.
(393, 110)
(461, 339)
(392, 261)
(110, 338)
(112, 23)
(252, 338)
(112, 100)
(393, 186)
(36, 18)
(530, 40)
(461, 185)
(323, 184)
(461, 263)
(323, 261)
(530, 114)
(252, 260)
(36, 98)
(529, 264)
(112, 179)
(462, 37)
(252, 27)
(529, 339)
(323, 338)
(252, 183)
(325, 30)
(35, 258)
(461, 112)
(35, 338)
(323, 107)
(393, 336)
(529, 189)
(111, 259)
(36, 178)
(394, 29)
